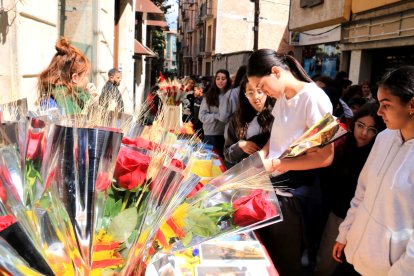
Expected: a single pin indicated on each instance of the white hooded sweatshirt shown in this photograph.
(378, 228)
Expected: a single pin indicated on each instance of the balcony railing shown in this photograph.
(198, 19)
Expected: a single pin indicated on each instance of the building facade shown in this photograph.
(364, 38)
(170, 55)
(218, 34)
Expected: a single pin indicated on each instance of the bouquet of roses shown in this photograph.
(171, 91)
(241, 199)
(90, 204)
(145, 173)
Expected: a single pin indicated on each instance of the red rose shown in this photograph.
(131, 168)
(49, 178)
(3, 194)
(178, 164)
(37, 123)
(33, 144)
(103, 181)
(253, 208)
(198, 187)
(139, 143)
(6, 221)
(6, 181)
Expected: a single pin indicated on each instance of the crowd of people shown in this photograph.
(351, 194)
(348, 206)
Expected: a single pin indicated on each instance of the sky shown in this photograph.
(172, 14)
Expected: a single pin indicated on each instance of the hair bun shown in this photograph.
(62, 46)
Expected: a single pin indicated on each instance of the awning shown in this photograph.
(156, 23)
(140, 49)
(146, 6)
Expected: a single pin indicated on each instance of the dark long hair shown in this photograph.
(400, 83)
(241, 72)
(245, 112)
(346, 149)
(212, 95)
(368, 109)
(261, 62)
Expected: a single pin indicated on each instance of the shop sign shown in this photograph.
(316, 36)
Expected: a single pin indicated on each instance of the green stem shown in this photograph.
(231, 199)
(125, 200)
(142, 193)
(218, 214)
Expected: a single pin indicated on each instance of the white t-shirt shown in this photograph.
(253, 128)
(294, 116)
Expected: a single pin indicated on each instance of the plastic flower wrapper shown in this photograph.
(141, 185)
(11, 263)
(14, 125)
(14, 133)
(165, 231)
(77, 170)
(241, 199)
(169, 191)
(127, 201)
(11, 191)
(13, 111)
(18, 238)
(12, 186)
(35, 146)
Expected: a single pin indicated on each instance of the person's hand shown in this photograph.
(338, 252)
(248, 147)
(277, 165)
(91, 88)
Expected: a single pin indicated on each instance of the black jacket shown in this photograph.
(233, 154)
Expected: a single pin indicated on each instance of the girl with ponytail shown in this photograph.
(300, 103)
(65, 81)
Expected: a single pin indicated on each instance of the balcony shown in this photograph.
(198, 19)
(206, 10)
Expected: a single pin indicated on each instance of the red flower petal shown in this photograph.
(253, 208)
(6, 221)
(33, 144)
(131, 168)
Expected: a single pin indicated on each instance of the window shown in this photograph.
(73, 14)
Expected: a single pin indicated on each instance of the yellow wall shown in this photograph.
(361, 5)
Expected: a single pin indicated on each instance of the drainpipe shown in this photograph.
(94, 61)
(117, 18)
(256, 24)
